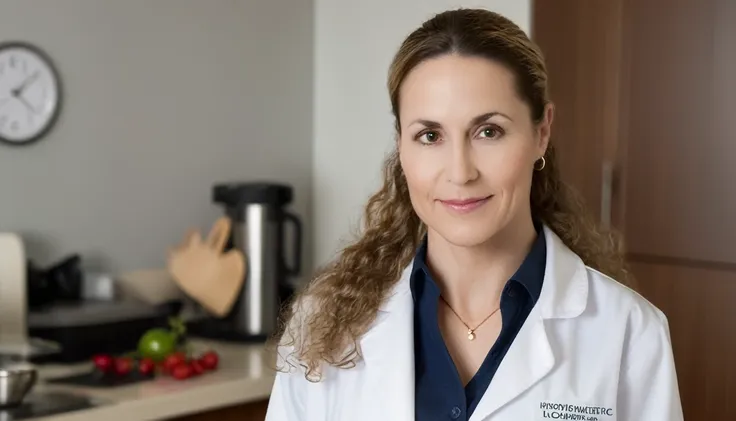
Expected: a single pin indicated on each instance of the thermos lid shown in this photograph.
(239, 194)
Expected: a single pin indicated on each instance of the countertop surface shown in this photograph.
(244, 375)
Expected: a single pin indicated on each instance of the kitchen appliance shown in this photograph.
(89, 327)
(15, 339)
(45, 318)
(15, 383)
(63, 281)
(260, 223)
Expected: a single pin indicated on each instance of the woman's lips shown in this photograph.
(466, 205)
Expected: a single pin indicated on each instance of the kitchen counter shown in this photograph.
(244, 375)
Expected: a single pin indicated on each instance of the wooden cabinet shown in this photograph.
(255, 411)
(680, 199)
(581, 47)
(647, 88)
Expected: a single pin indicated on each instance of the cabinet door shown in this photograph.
(650, 86)
(581, 43)
(680, 185)
(680, 182)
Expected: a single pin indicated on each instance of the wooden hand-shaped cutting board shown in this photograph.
(205, 273)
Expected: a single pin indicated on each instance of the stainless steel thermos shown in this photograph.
(260, 225)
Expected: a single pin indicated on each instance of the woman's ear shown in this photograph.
(544, 128)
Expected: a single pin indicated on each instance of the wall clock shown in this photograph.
(30, 93)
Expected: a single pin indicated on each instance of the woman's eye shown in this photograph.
(491, 132)
(429, 137)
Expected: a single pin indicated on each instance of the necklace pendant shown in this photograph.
(471, 334)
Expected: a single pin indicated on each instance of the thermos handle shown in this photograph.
(297, 251)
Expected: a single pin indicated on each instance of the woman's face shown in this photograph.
(468, 147)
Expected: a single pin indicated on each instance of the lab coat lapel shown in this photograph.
(388, 353)
(530, 357)
(527, 361)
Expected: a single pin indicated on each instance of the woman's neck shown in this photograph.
(472, 278)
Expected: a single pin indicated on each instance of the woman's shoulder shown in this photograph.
(611, 298)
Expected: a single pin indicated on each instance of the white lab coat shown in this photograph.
(591, 349)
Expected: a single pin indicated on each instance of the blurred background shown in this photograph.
(163, 116)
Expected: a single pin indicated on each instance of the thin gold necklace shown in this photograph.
(471, 331)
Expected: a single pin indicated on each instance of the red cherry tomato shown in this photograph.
(181, 371)
(103, 362)
(197, 367)
(123, 366)
(174, 360)
(209, 360)
(146, 366)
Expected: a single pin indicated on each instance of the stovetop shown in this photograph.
(44, 404)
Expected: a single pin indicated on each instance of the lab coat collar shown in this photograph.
(388, 347)
(565, 288)
(564, 291)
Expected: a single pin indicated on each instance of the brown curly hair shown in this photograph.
(339, 305)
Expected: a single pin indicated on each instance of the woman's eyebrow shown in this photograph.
(483, 117)
(475, 121)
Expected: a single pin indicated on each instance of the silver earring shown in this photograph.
(540, 166)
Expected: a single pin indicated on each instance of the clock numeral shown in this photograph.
(3, 120)
(13, 61)
(25, 67)
(14, 126)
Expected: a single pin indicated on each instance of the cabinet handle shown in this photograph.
(606, 193)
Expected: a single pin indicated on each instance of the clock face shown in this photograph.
(29, 93)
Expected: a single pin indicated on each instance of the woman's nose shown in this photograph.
(461, 168)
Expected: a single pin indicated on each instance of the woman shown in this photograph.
(478, 289)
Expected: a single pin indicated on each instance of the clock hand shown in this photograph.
(30, 79)
(27, 104)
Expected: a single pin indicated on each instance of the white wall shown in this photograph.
(353, 127)
(162, 99)
(185, 93)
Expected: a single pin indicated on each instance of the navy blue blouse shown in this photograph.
(439, 392)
